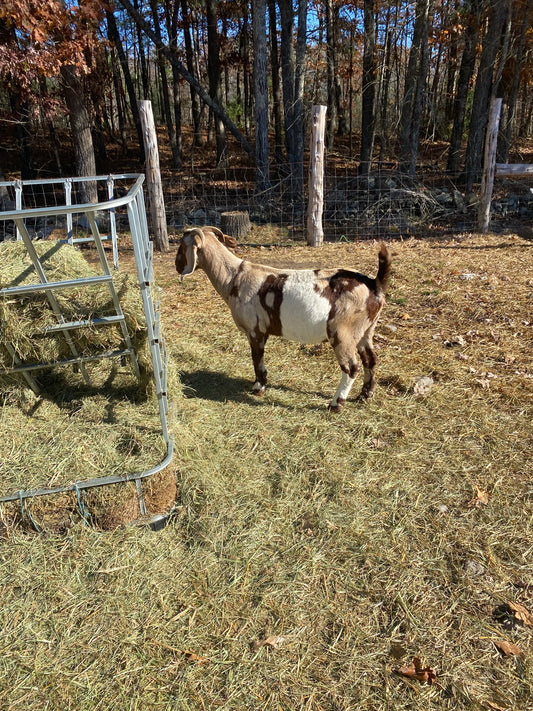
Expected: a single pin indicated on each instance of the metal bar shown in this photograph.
(75, 209)
(142, 255)
(73, 179)
(18, 203)
(100, 321)
(114, 296)
(68, 201)
(54, 285)
(112, 220)
(78, 360)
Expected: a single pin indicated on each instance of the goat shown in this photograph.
(306, 305)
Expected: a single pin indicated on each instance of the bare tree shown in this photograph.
(471, 19)
(483, 90)
(213, 73)
(415, 82)
(261, 96)
(368, 115)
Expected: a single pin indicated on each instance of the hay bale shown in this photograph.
(24, 319)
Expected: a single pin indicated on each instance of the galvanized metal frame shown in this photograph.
(143, 251)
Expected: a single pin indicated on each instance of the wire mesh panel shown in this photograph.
(49, 209)
(382, 204)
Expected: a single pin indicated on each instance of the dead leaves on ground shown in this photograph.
(274, 641)
(520, 614)
(415, 670)
(480, 499)
(508, 649)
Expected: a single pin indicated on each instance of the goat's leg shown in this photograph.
(368, 358)
(257, 344)
(346, 357)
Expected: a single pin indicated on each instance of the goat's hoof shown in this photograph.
(258, 391)
(336, 408)
(366, 395)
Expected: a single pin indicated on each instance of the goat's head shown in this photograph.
(191, 244)
(187, 255)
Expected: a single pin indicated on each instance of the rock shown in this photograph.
(423, 385)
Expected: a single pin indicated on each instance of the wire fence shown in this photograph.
(385, 204)
(381, 205)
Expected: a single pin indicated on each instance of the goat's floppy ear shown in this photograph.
(193, 240)
(229, 242)
(226, 240)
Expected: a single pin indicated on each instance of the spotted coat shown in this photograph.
(307, 305)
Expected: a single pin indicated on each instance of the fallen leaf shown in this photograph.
(507, 648)
(192, 657)
(273, 641)
(416, 671)
(521, 614)
(480, 499)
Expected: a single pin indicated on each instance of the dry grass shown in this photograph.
(311, 554)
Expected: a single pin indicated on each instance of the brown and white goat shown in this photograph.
(306, 305)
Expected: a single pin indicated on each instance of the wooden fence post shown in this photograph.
(315, 232)
(489, 165)
(153, 177)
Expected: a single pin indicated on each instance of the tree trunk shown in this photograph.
(144, 68)
(153, 178)
(465, 74)
(213, 73)
(276, 89)
(504, 141)
(262, 180)
(114, 38)
(236, 224)
(412, 104)
(287, 74)
(292, 69)
(482, 92)
(167, 111)
(315, 232)
(171, 19)
(368, 121)
(80, 127)
(198, 139)
(299, 84)
(489, 165)
(331, 62)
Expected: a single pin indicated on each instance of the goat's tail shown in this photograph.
(382, 278)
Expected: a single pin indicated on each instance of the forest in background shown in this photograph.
(240, 78)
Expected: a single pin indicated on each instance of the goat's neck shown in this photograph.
(221, 266)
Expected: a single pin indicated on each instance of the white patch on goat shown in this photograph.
(343, 390)
(269, 300)
(304, 313)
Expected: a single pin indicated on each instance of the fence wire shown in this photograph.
(381, 205)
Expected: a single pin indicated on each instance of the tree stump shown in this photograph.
(236, 224)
